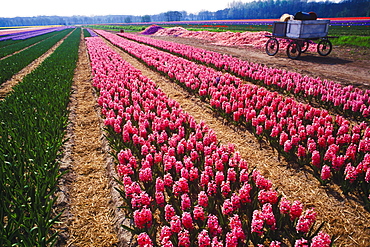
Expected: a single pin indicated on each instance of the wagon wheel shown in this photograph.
(272, 46)
(324, 47)
(304, 45)
(294, 50)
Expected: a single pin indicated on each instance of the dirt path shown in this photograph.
(85, 191)
(345, 218)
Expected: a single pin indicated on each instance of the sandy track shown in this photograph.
(85, 191)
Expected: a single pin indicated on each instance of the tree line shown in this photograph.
(258, 9)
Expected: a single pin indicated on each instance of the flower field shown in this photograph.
(308, 135)
(179, 183)
(172, 167)
(348, 101)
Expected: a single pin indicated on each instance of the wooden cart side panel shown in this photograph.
(307, 29)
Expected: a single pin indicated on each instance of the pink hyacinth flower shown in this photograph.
(165, 232)
(351, 173)
(269, 216)
(301, 243)
(321, 240)
(284, 206)
(144, 240)
(213, 225)
(203, 199)
(275, 244)
(185, 202)
(267, 196)
(236, 227)
(244, 193)
(231, 175)
(325, 172)
(143, 218)
(159, 198)
(296, 210)
(216, 242)
(169, 212)
(175, 224)
(187, 220)
(145, 174)
(306, 220)
(316, 159)
(257, 222)
(225, 188)
(227, 207)
(184, 238)
(231, 240)
(198, 213)
(203, 239)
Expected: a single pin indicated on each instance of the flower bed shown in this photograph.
(181, 187)
(151, 29)
(32, 33)
(349, 101)
(330, 145)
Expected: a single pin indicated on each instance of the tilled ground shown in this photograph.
(85, 191)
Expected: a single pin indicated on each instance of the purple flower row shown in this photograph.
(91, 32)
(33, 33)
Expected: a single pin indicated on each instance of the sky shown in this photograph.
(26, 8)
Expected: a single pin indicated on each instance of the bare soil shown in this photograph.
(85, 191)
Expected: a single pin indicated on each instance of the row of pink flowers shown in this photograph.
(299, 131)
(181, 186)
(348, 100)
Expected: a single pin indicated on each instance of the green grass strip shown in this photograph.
(363, 41)
(86, 33)
(32, 125)
(13, 64)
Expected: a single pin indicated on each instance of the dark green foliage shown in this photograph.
(32, 122)
(13, 64)
(17, 45)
